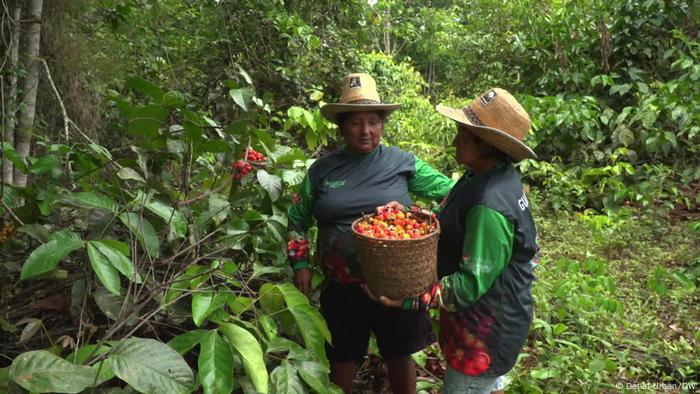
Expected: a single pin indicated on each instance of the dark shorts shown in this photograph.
(351, 316)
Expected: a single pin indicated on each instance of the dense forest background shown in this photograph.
(136, 258)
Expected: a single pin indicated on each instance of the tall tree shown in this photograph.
(31, 84)
(10, 113)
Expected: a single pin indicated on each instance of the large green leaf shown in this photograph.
(46, 257)
(151, 366)
(215, 364)
(284, 379)
(314, 374)
(248, 348)
(204, 304)
(145, 121)
(311, 324)
(92, 200)
(183, 343)
(143, 230)
(242, 97)
(44, 372)
(145, 87)
(122, 263)
(105, 271)
(271, 183)
(170, 215)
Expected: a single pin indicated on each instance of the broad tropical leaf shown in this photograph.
(314, 374)
(92, 200)
(151, 366)
(215, 364)
(118, 260)
(105, 271)
(183, 343)
(143, 230)
(271, 183)
(46, 257)
(44, 372)
(248, 348)
(284, 379)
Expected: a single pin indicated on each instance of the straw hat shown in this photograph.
(497, 118)
(359, 94)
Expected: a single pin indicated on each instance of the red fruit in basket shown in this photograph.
(481, 362)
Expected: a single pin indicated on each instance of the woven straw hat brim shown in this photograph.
(331, 111)
(497, 138)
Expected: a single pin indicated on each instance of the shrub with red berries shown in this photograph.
(243, 167)
(255, 156)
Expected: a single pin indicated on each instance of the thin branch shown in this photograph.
(66, 120)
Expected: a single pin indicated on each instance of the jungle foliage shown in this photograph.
(135, 260)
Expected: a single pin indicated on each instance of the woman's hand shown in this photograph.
(381, 299)
(392, 204)
(302, 280)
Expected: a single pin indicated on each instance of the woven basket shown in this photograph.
(398, 268)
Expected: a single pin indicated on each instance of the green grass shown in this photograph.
(617, 303)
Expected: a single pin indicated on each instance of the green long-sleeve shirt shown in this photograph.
(340, 188)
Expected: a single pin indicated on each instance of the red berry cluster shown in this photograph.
(8, 230)
(255, 156)
(298, 249)
(242, 168)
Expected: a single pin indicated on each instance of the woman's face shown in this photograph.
(362, 131)
(468, 153)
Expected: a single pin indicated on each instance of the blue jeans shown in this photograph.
(459, 383)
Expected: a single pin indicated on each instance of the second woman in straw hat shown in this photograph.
(338, 189)
(486, 248)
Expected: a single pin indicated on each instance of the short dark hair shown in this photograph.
(343, 116)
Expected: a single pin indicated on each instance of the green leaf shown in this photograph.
(596, 365)
(271, 183)
(105, 271)
(543, 373)
(219, 208)
(143, 230)
(145, 121)
(118, 260)
(239, 304)
(215, 364)
(151, 366)
(248, 348)
(204, 304)
(114, 306)
(311, 324)
(314, 374)
(201, 302)
(284, 379)
(46, 257)
(43, 372)
(11, 155)
(170, 215)
(183, 343)
(128, 173)
(145, 87)
(36, 231)
(92, 200)
(45, 164)
(81, 355)
(242, 97)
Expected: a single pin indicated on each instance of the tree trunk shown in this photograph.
(10, 113)
(31, 84)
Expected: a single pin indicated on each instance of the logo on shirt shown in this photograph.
(523, 203)
(335, 184)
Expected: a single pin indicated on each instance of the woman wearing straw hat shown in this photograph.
(338, 189)
(485, 286)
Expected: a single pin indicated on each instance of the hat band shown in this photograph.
(471, 115)
(364, 101)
